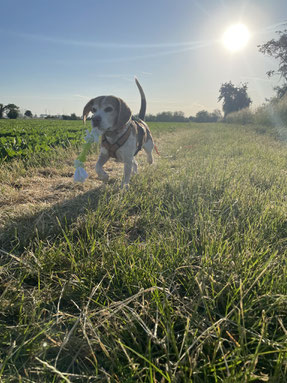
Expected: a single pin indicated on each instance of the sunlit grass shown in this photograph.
(270, 118)
(182, 278)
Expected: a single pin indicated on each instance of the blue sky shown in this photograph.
(55, 55)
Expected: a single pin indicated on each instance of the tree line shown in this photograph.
(201, 116)
(234, 98)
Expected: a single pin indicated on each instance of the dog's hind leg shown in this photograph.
(134, 167)
(148, 147)
(127, 174)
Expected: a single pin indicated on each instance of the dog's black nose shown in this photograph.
(96, 120)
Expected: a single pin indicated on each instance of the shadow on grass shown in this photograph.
(48, 223)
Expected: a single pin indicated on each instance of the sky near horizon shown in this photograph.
(55, 55)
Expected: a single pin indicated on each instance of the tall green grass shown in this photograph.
(181, 279)
(271, 118)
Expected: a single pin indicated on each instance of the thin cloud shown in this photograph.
(100, 44)
(158, 54)
(125, 77)
(81, 96)
(146, 73)
(271, 27)
(275, 26)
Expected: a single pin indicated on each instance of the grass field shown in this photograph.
(181, 279)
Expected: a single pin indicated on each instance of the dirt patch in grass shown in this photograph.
(33, 202)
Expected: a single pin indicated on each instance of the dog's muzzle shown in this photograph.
(96, 121)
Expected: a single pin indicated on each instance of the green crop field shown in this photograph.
(27, 138)
(24, 138)
(183, 278)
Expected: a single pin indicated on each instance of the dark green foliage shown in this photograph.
(28, 113)
(234, 98)
(278, 50)
(71, 117)
(13, 114)
(167, 117)
(205, 116)
(2, 109)
(12, 111)
(23, 138)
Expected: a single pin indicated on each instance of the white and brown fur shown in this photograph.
(112, 118)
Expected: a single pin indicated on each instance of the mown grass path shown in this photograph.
(181, 279)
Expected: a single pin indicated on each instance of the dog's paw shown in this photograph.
(103, 177)
(125, 188)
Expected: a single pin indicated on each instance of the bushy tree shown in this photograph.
(2, 108)
(13, 111)
(71, 117)
(28, 113)
(234, 98)
(205, 116)
(278, 50)
(13, 114)
(167, 117)
(202, 116)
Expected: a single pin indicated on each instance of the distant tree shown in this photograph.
(234, 98)
(167, 117)
(71, 117)
(13, 114)
(150, 117)
(205, 116)
(216, 115)
(13, 111)
(278, 50)
(178, 117)
(2, 108)
(202, 116)
(164, 117)
(28, 113)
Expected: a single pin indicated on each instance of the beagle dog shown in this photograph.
(123, 135)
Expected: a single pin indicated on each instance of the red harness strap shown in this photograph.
(112, 148)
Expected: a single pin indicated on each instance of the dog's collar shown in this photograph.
(118, 130)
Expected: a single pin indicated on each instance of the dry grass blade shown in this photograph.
(54, 369)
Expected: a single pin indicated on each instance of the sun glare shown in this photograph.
(236, 37)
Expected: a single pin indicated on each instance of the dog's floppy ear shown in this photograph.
(87, 109)
(124, 114)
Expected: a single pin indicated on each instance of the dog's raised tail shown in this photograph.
(143, 100)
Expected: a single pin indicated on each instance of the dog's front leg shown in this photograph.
(134, 167)
(127, 174)
(103, 158)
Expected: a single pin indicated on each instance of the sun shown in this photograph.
(236, 37)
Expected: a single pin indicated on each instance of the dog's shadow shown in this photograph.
(48, 223)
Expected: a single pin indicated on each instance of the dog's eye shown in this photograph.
(108, 109)
(94, 110)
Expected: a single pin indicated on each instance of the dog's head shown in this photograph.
(109, 113)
